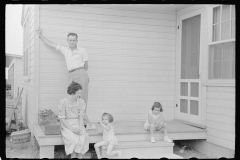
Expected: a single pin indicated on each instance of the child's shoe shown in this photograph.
(167, 139)
(153, 140)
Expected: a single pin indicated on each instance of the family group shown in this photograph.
(72, 109)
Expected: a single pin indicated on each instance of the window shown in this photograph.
(222, 47)
(26, 48)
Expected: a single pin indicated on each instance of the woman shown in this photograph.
(71, 111)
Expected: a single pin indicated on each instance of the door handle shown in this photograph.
(176, 105)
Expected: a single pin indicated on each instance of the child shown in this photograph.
(109, 138)
(156, 122)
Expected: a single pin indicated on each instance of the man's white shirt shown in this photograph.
(74, 59)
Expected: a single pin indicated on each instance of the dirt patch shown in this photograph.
(187, 152)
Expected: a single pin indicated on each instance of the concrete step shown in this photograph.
(141, 149)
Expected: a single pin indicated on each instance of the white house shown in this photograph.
(182, 56)
(14, 64)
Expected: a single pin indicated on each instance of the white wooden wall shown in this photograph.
(221, 116)
(131, 58)
(29, 110)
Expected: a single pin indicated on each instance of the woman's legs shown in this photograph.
(74, 155)
(110, 151)
(96, 146)
(79, 156)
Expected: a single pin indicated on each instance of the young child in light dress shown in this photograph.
(155, 122)
(109, 138)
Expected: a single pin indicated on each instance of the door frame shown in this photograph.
(203, 24)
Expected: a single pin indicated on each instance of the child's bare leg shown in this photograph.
(111, 152)
(152, 127)
(96, 146)
(165, 129)
(166, 138)
(74, 155)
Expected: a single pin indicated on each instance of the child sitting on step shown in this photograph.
(109, 138)
(155, 122)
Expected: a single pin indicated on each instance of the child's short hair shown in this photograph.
(110, 117)
(157, 105)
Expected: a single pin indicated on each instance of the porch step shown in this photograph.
(141, 149)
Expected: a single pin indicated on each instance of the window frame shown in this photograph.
(219, 82)
(26, 46)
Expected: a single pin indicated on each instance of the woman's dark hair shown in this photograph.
(110, 117)
(157, 105)
(73, 88)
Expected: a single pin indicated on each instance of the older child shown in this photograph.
(109, 138)
(155, 122)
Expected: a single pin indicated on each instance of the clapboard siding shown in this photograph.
(106, 11)
(167, 9)
(29, 109)
(221, 116)
(131, 54)
(48, 53)
(106, 18)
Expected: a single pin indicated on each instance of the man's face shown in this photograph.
(72, 41)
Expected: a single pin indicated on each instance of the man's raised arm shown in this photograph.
(46, 41)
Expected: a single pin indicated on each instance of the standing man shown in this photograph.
(77, 63)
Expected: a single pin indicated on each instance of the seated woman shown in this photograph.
(71, 112)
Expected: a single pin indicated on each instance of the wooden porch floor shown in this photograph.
(134, 131)
(130, 131)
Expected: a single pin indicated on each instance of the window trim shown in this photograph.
(218, 82)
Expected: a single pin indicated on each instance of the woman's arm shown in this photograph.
(64, 122)
(107, 127)
(86, 65)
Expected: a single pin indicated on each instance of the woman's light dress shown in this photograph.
(78, 143)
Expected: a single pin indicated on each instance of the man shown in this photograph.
(77, 63)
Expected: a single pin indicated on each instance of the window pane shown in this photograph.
(233, 12)
(233, 29)
(194, 89)
(218, 52)
(216, 15)
(225, 13)
(216, 33)
(183, 106)
(217, 69)
(194, 107)
(184, 89)
(227, 51)
(225, 30)
(190, 48)
(226, 69)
